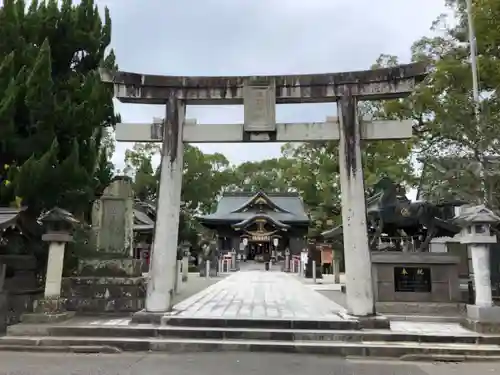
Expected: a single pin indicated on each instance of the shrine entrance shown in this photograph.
(258, 251)
(259, 95)
(255, 224)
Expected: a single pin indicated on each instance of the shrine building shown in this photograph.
(259, 223)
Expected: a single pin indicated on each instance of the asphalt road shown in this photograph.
(222, 364)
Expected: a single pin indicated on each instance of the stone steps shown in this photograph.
(226, 333)
(332, 324)
(401, 350)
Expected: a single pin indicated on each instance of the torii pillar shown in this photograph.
(260, 96)
(357, 256)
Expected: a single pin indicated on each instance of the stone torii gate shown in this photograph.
(259, 95)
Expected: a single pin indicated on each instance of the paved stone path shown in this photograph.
(255, 294)
(259, 295)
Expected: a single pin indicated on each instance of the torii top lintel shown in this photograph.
(375, 84)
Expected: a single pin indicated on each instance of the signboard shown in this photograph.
(412, 279)
(260, 238)
(259, 100)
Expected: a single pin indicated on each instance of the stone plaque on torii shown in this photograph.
(259, 95)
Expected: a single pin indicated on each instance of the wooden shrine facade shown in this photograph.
(261, 220)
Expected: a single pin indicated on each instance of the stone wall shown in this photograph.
(104, 294)
(439, 294)
(106, 286)
(19, 288)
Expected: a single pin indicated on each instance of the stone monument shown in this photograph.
(109, 280)
(113, 218)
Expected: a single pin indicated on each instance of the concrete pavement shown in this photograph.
(223, 364)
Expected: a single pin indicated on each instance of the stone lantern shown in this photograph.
(476, 233)
(59, 225)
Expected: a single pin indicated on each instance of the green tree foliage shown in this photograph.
(54, 111)
(453, 143)
(270, 175)
(205, 176)
(315, 174)
(139, 162)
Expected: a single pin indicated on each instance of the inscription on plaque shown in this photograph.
(412, 279)
(260, 238)
(259, 102)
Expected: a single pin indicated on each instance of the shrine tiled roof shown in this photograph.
(8, 216)
(288, 208)
(144, 215)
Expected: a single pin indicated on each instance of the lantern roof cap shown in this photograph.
(476, 215)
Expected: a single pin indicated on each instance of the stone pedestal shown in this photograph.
(483, 319)
(106, 286)
(416, 283)
(48, 310)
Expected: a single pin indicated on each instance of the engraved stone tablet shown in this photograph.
(259, 99)
(412, 279)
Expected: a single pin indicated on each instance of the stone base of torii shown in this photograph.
(260, 96)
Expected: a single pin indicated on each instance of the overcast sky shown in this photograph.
(242, 37)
